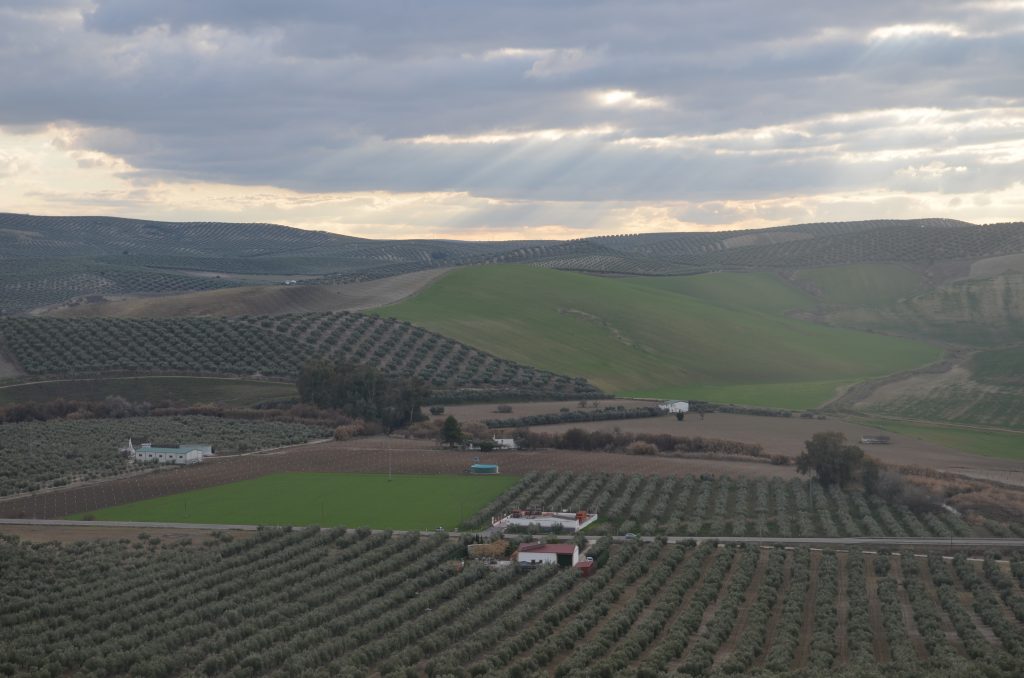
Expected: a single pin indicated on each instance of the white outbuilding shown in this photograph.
(566, 555)
(675, 406)
(190, 453)
(504, 443)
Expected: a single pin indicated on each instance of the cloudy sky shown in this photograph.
(528, 118)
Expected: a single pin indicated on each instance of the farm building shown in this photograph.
(484, 469)
(586, 567)
(504, 443)
(547, 520)
(874, 440)
(675, 406)
(187, 453)
(565, 555)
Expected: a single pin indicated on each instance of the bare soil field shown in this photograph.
(262, 299)
(784, 435)
(366, 455)
(8, 369)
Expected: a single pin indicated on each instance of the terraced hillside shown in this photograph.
(722, 337)
(269, 346)
(344, 602)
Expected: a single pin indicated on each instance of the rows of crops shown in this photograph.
(720, 507)
(271, 346)
(39, 454)
(23, 292)
(340, 602)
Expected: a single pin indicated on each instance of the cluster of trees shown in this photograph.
(362, 391)
(603, 414)
(619, 441)
(834, 462)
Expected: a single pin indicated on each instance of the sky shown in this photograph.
(516, 119)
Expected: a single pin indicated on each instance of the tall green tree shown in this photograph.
(830, 459)
(451, 432)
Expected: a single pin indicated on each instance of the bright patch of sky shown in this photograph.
(512, 120)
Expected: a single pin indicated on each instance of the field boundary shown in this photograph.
(955, 542)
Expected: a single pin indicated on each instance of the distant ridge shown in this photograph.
(49, 260)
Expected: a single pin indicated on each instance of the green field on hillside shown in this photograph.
(405, 502)
(987, 313)
(1003, 444)
(867, 285)
(1004, 367)
(152, 389)
(658, 336)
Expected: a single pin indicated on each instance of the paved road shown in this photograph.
(892, 542)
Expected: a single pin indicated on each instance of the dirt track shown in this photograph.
(262, 299)
(358, 456)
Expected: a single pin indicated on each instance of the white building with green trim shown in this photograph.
(183, 453)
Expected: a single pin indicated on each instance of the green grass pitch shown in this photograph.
(406, 502)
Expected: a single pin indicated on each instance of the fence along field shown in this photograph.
(343, 602)
(268, 346)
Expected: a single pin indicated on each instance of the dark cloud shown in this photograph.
(325, 96)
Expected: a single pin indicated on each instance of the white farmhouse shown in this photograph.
(504, 443)
(566, 555)
(675, 406)
(189, 453)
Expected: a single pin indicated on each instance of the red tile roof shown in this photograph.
(548, 548)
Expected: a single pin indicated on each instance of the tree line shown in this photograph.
(363, 392)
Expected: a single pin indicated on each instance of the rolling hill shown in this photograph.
(275, 346)
(54, 260)
(722, 337)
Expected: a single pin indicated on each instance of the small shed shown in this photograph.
(675, 406)
(504, 443)
(565, 555)
(484, 469)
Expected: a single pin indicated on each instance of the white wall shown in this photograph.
(534, 557)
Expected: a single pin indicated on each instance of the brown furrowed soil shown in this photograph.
(749, 598)
(684, 605)
(882, 653)
(947, 626)
(623, 599)
(842, 611)
(261, 299)
(8, 368)
(709, 614)
(776, 612)
(785, 435)
(908, 614)
(807, 628)
(364, 455)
